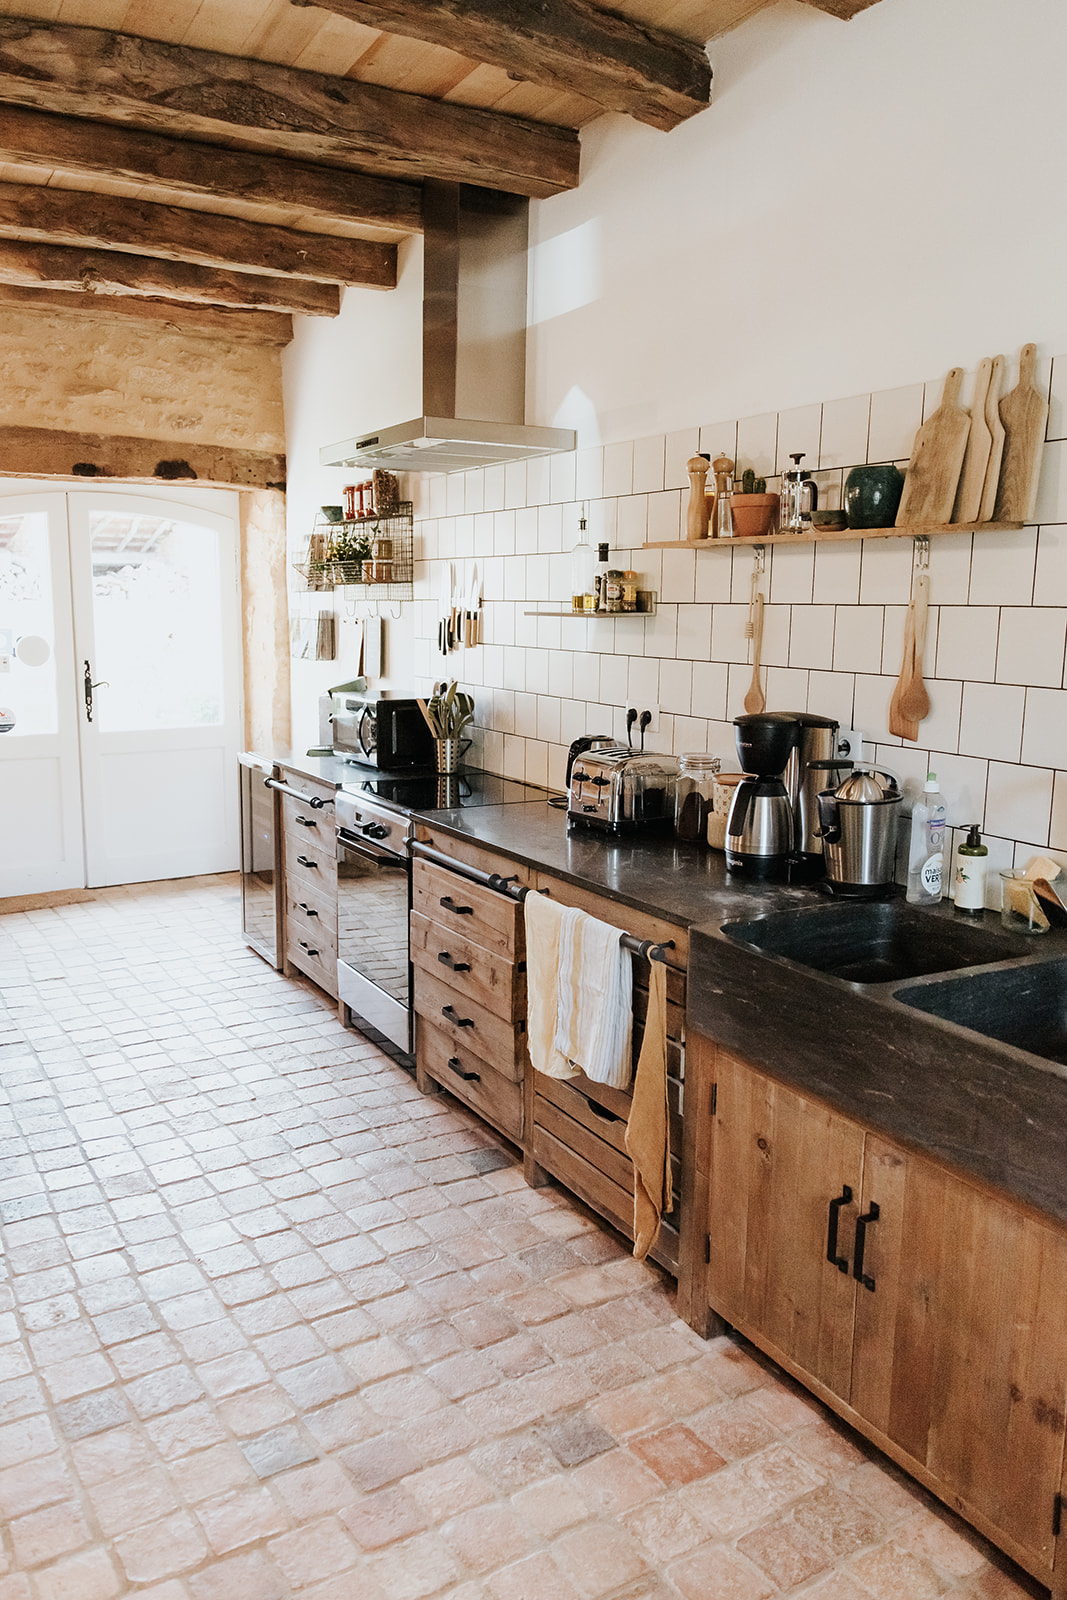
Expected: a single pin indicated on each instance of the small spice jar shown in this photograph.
(613, 580)
(694, 796)
(629, 591)
(349, 492)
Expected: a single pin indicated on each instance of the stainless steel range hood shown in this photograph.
(473, 345)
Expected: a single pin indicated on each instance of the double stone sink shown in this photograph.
(963, 973)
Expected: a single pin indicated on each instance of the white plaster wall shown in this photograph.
(863, 202)
(340, 376)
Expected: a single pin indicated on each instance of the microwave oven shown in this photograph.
(385, 733)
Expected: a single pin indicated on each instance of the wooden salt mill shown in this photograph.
(723, 526)
(697, 516)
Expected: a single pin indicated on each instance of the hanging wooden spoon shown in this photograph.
(755, 700)
(903, 726)
(915, 702)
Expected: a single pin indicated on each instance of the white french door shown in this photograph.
(122, 691)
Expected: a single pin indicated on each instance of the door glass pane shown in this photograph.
(157, 622)
(27, 686)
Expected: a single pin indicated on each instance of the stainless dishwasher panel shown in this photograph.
(261, 900)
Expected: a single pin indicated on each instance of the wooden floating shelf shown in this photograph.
(918, 530)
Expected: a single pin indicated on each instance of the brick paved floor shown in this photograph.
(273, 1324)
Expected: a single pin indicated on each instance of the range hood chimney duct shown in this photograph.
(473, 344)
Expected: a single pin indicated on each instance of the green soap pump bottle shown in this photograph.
(968, 889)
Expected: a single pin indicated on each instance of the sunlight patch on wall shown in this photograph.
(566, 272)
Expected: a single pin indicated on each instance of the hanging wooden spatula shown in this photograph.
(755, 700)
(915, 702)
(904, 727)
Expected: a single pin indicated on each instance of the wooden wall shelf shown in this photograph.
(822, 535)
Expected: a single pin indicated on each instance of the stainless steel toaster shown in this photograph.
(618, 790)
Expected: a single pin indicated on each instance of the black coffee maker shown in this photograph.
(759, 828)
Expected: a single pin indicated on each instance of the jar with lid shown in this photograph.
(629, 591)
(613, 582)
(694, 795)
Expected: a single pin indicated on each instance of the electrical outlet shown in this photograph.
(651, 711)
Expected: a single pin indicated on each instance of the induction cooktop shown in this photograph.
(433, 791)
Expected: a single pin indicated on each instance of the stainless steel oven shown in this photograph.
(373, 907)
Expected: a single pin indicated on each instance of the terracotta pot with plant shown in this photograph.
(755, 511)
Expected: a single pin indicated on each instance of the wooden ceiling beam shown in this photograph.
(115, 272)
(211, 322)
(134, 155)
(845, 9)
(568, 45)
(203, 94)
(36, 212)
(51, 453)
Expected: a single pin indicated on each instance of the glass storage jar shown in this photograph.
(694, 795)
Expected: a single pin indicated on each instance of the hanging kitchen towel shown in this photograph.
(542, 917)
(647, 1132)
(594, 1022)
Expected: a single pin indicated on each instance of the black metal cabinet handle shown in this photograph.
(460, 911)
(307, 947)
(306, 822)
(843, 1199)
(305, 862)
(453, 966)
(453, 1016)
(858, 1273)
(457, 1067)
(309, 911)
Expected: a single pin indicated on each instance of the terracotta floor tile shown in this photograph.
(535, 1578)
(41, 1536)
(890, 1573)
(249, 1576)
(382, 1518)
(241, 1517)
(676, 1455)
(161, 1549)
(734, 1429)
(89, 1575)
(665, 1528)
(716, 1572)
(414, 1568)
(449, 1487)
(599, 1557)
(930, 1534)
(819, 1529)
(486, 1537)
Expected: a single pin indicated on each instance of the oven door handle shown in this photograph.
(358, 847)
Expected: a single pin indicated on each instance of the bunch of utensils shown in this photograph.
(910, 704)
(755, 699)
(460, 622)
(448, 711)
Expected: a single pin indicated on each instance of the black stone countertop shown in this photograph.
(986, 1109)
(334, 770)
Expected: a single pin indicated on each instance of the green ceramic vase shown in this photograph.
(872, 495)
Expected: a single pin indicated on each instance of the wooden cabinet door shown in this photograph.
(778, 1160)
(960, 1352)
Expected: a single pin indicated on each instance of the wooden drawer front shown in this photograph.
(472, 855)
(322, 968)
(491, 1037)
(471, 1080)
(309, 927)
(294, 779)
(310, 866)
(625, 918)
(481, 915)
(307, 826)
(585, 1127)
(489, 980)
(311, 908)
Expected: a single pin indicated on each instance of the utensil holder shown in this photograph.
(447, 754)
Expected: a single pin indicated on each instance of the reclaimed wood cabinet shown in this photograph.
(928, 1311)
(309, 869)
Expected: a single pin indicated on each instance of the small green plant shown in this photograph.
(750, 484)
(350, 546)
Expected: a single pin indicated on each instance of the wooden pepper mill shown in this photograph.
(723, 468)
(697, 518)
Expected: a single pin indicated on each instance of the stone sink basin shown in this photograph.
(1023, 1006)
(876, 941)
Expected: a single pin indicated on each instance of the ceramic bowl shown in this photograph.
(829, 521)
(333, 513)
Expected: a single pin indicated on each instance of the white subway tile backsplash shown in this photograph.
(676, 686)
(679, 448)
(858, 639)
(665, 515)
(966, 643)
(562, 476)
(886, 572)
(719, 439)
(991, 723)
(775, 644)
(1045, 734)
(526, 531)
(1031, 645)
(538, 480)
(710, 680)
(1058, 831)
(1050, 583)
(1019, 802)
(537, 671)
(514, 485)
(1052, 484)
(548, 718)
(679, 570)
(757, 443)
(729, 641)
(493, 492)
(1002, 568)
(792, 575)
(871, 707)
(550, 529)
(830, 694)
(845, 425)
(648, 467)
(811, 637)
(786, 689)
(589, 474)
(799, 432)
(632, 529)
(837, 573)
(896, 416)
(619, 468)
(642, 683)
(694, 632)
(714, 572)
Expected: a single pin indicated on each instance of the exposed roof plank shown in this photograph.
(182, 164)
(202, 94)
(213, 322)
(565, 44)
(100, 221)
(49, 453)
(116, 272)
(845, 9)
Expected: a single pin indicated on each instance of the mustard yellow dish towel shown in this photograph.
(647, 1133)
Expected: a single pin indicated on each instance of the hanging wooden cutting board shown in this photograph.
(936, 460)
(1023, 412)
(996, 438)
(976, 457)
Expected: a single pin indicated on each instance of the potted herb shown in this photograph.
(755, 512)
(348, 550)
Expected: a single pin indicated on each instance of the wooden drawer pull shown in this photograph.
(306, 822)
(457, 1067)
(453, 966)
(453, 1016)
(305, 862)
(307, 947)
(459, 911)
(309, 911)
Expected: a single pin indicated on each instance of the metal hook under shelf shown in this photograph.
(920, 547)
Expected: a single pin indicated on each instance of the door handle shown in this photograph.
(305, 862)
(457, 1067)
(306, 909)
(861, 1239)
(454, 1017)
(460, 911)
(306, 822)
(307, 947)
(89, 686)
(843, 1199)
(453, 965)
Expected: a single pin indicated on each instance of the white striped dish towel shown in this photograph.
(594, 1020)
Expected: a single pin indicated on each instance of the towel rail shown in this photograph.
(649, 948)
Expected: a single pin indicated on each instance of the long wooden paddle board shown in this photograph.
(1024, 413)
(936, 460)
